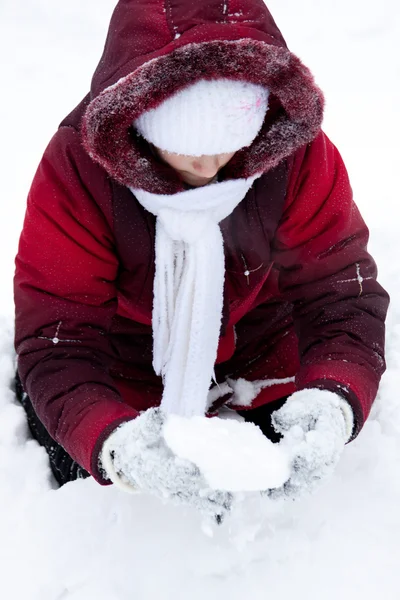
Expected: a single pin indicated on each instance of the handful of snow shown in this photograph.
(232, 456)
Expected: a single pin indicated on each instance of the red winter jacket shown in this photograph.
(302, 305)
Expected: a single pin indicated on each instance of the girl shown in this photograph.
(190, 242)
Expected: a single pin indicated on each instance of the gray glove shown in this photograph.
(315, 424)
(136, 458)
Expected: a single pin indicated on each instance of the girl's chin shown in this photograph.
(196, 181)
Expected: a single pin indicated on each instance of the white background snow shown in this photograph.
(85, 542)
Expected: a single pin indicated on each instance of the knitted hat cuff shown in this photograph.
(208, 117)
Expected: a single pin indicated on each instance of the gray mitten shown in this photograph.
(315, 424)
(136, 457)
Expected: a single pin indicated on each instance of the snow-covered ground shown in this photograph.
(85, 542)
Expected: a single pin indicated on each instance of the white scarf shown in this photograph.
(189, 288)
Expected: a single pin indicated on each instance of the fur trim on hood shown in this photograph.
(250, 49)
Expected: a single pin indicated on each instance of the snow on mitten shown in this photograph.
(315, 424)
(136, 457)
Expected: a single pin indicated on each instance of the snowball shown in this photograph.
(231, 456)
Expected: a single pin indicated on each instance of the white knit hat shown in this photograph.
(208, 117)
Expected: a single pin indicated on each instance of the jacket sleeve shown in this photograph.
(325, 270)
(65, 298)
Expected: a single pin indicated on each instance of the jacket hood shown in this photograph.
(154, 48)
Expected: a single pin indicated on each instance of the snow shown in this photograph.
(85, 542)
(231, 455)
(244, 392)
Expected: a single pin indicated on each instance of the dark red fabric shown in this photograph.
(139, 29)
(310, 310)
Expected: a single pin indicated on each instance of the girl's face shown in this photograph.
(196, 170)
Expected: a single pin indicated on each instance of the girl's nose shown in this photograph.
(207, 166)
